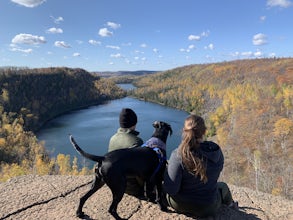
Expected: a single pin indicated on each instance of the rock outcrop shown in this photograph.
(56, 197)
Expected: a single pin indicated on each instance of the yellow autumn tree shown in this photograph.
(11, 170)
(85, 171)
(282, 129)
(288, 98)
(63, 162)
(74, 167)
(43, 167)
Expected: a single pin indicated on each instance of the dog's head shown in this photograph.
(162, 130)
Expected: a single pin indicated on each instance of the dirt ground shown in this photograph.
(56, 197)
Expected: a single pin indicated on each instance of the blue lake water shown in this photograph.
(92, 127)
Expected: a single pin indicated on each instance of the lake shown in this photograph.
(92, 127)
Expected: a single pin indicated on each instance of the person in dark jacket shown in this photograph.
(191, 178)
(125, 137)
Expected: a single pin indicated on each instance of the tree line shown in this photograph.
(29, 98)
(248, 106)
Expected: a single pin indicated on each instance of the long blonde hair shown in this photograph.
(192, 134)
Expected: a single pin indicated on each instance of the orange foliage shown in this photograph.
(242, 102)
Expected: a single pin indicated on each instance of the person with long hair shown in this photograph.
(191, 178)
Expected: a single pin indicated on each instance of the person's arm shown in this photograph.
(173, 175)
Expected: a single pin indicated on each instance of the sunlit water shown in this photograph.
(92, 127)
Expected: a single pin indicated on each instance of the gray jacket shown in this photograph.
(186, 187)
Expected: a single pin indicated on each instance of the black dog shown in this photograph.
(147, 162)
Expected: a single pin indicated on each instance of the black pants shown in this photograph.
(223, 197)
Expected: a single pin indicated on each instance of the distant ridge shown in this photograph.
(123, 73)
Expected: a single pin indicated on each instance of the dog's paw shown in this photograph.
(163, 207)
(152, 200)
(80, 214)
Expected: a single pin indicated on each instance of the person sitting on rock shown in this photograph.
(191, 177)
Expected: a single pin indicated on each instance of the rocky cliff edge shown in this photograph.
(56, 197)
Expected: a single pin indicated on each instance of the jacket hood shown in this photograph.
(211, 151)
(127, 130)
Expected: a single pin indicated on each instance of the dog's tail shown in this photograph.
(83, 153)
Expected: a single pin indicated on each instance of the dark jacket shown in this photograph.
(188, 188)
(124, 138)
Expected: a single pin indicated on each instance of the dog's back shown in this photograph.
(136, 161)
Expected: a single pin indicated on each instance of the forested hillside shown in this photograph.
(41, 94)
(29, 98)
(248, 105)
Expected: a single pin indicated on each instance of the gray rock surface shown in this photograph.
(56, 197)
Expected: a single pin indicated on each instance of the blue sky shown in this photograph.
(113, 35)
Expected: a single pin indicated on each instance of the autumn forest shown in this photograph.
(29, 98)
(248, 105)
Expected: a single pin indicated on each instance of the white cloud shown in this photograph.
(76, 54)
(257, 54)
(113, 25)
(279, 3)
(209, 47)
(61, 44)
(155, 50)
(205, 33)
(235, 54)
(28, 39)
(143, 45)
(54, 30)
(57, 20)
(247, 54)
(22, 50)
(113, 47)
(117, 55)
(139, 52)
(259, 39)
(193, 37)
(94, 42)
(191, 46)
(262, 18)
(104, 32)
(29, 3)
